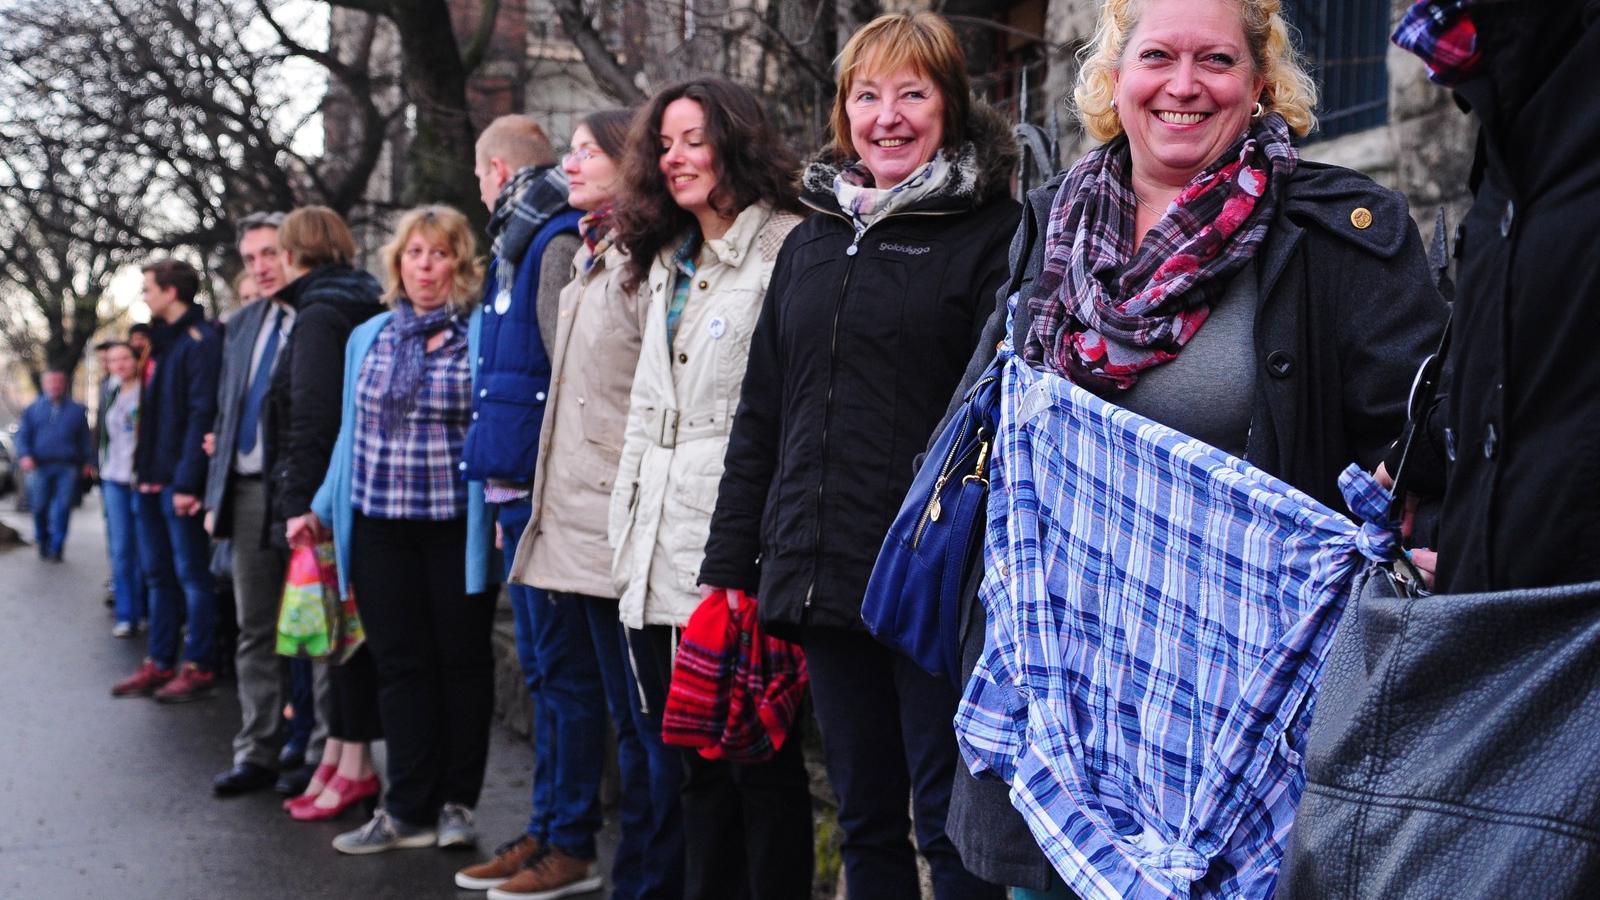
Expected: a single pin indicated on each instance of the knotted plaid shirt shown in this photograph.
(1158, 616)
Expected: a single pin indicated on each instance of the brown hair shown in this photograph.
(923, 42)
(517, 141)
(1288, 91)
(752, 164)
(610, 129)
(316, 236)
(449, 227)
(176, 274)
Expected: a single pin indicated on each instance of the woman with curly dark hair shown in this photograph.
(708, 199)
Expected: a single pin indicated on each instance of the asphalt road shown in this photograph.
(102, 797)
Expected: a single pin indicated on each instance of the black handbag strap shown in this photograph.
(1424, 389)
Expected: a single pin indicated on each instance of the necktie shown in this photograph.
(250, 420)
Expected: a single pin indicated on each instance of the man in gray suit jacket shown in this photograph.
(236, 505)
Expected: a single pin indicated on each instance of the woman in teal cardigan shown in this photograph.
(412, 538)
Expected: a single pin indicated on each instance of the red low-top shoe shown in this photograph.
(146, 681)
(191, 684)
(350, 793)
(319, 779)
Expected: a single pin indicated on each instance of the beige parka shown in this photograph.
(599, 328)
(679, 416)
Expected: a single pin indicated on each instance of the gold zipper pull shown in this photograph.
(934, 509)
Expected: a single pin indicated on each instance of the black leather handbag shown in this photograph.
(1454, 750)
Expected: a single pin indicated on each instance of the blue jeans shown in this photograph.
(569, 726)
(649, 860)
(176, 556)
(51, 489)
(122, 543)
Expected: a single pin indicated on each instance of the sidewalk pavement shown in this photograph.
(101, 797)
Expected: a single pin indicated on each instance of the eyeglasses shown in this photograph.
(582, 154)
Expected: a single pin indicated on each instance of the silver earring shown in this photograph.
(1259, 111)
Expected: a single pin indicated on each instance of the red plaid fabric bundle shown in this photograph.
(735, 692)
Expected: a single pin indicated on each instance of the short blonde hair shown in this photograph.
(923, 42)
(516, 140)
(1288, 90)
(316, 236)
(447, 226)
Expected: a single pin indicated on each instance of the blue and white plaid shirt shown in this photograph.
(1158, 616)
(414, 474)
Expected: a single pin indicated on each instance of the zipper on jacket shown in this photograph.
(833, 354)
(827, 402)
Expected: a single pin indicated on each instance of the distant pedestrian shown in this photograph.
(54, 447)
(119, 426)
(175, 413)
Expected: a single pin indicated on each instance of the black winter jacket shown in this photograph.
(1345, 316)
(179, 403)
(857, 348)
(1518, 430)
(303, 406)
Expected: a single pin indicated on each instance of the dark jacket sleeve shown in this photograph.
(1383, 336)
(733, 549)
(202, 365)
(1012, 275)
(87, 455)
(24, 437)
(315, 367)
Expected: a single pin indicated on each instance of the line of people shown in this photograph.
(697, 371)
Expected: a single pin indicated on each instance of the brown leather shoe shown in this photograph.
(509, 858)
(142, 683)
(555, 874)
(191, 684)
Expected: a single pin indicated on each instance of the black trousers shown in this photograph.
(354, 684)
(747, 828)
(887, 736)
(430, 643)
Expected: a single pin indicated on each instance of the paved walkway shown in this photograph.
(111, 798)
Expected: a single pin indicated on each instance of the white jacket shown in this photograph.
(679, 414)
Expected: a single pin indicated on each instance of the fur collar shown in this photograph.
(980, 172)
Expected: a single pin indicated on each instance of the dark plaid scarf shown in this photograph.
(405, 371)
(1443, 34)
(1102, 313)
(533, 196)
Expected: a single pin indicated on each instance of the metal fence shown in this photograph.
(1346, 42)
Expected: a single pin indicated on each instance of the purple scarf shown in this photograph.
(410, 350)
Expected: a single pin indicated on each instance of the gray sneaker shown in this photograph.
(384, 832)
(455, 826)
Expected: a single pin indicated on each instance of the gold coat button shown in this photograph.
(704, 284)
(1361, 217)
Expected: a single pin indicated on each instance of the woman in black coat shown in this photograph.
(873, 309)
(301, 421)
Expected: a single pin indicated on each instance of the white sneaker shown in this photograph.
(384, 832)
(455, 826)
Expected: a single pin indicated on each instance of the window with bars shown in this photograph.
(1345, 42)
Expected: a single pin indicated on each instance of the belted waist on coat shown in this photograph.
(669, 427)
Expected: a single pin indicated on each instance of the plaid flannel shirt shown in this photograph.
(414, 474)
(1442, 33)
(1158, 616)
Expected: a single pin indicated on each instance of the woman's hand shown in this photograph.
(304, 530)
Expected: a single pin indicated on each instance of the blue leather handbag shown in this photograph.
(913, 600)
